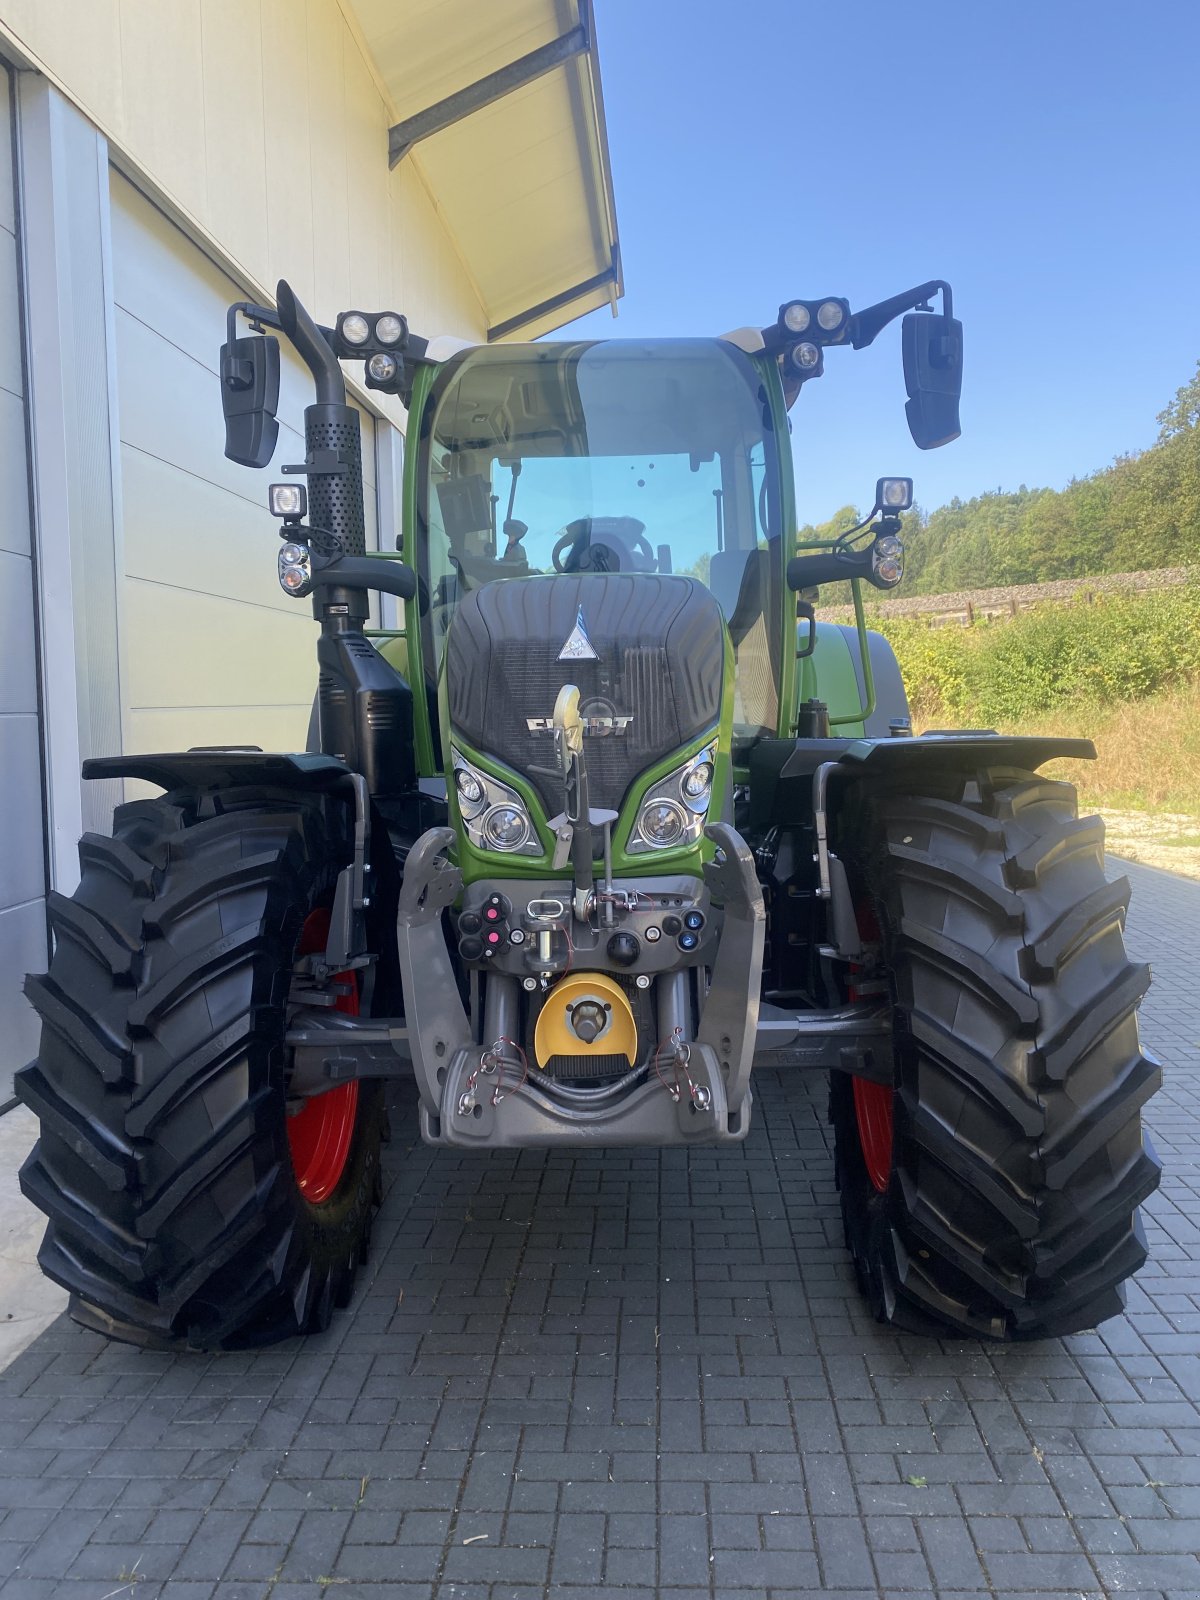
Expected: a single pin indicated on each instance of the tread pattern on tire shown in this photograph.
(1019, 1160)
(163, 1162)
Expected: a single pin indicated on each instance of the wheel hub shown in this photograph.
(321, 1133)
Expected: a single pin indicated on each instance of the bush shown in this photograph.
(1118, 648)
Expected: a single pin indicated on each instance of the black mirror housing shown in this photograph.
(250, 398)
(933, 351)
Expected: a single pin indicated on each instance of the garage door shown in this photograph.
(211, 651)
(22, 841)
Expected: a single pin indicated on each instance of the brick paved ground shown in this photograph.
(626, 1374)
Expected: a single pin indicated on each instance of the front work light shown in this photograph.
(390, 329)
(353, 327)
(289, 500)
(796, 316)
(806, 356)
(382, 367)
(831, 314)
(894, 494)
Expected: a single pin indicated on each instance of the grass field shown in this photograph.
(1123, 671)
(1145, 781)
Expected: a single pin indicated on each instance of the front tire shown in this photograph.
(176, 1208)
(993, 1190)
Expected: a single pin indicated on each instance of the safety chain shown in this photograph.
(699, 1094)
(492, 1062)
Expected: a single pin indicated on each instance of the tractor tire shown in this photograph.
(182, 1208)
(992, 1190)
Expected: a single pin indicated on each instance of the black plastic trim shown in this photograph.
(221, 768)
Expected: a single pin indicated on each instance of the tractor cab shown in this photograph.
(639, 458)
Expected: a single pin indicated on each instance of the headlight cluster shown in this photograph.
(798, 316)
(363, 328)
(674, 811)
(295, 568)
(495, 816)
(887, 561)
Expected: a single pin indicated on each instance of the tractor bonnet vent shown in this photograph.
(646, 650)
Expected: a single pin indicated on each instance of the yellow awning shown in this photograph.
(501, 106)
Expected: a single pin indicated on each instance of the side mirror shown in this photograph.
(933, 348)
(250, 398)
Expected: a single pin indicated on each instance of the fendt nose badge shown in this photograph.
(578, 646)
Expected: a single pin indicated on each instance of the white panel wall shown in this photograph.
(262, 122)
(22, 844)
(212, 651)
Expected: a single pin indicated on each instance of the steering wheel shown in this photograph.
(579, 545)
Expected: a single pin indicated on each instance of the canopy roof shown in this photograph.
(501, 106)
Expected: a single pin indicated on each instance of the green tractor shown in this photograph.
(612, 820)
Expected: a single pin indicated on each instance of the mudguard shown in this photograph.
(961, 750)
(223, 767)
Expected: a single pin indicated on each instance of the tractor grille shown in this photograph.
(659, 643)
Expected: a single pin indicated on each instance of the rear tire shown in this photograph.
(164, 1162)
(1006, 1206)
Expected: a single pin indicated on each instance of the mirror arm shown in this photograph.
(866, 325)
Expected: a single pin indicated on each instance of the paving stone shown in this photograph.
(644, 1376)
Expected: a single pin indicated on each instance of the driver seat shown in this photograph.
(619, 534)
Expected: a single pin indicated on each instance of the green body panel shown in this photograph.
(393, 647)
(429, 763)
(829, 675)
(789, 697)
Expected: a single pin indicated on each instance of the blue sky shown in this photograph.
(1045, 158)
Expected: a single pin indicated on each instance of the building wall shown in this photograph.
(22, 849)
(211, 649)
(261, 121)
(173, 155)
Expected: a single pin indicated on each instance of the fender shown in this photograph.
(787, 786)
(971, 748)
(882, 760)
(224, 767)
(232, 767)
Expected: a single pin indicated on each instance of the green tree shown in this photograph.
(1141, 512)
(1183, 412)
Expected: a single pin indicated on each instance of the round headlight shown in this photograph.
(662, 823)
(470, 792)
(796, 317)
(355, 328)
(389, 329)
(829, 315)
(806, 356)
(697, 783)
(505, 828)
(292, 555)
(382, 367)
(887, 558)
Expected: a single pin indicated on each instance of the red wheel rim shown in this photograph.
(872, 1101)
(873, 1108)
(320, 1135)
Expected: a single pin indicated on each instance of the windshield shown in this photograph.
(624, 456)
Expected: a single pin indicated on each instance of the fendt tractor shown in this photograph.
(611, 821)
